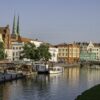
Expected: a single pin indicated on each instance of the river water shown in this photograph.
(64, 86)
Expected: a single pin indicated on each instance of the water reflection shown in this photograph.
(64, 86)
(72, 75)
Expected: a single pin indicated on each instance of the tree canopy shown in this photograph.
(44, 52)
(40, 53)
(28, 51)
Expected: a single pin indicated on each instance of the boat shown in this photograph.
(45, 69)
(56, 70)
(41, 68)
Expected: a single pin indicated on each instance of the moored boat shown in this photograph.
(56, 70)
(42, 69)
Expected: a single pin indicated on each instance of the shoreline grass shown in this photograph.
(90, 94)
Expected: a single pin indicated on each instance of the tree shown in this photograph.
(2, 51)
(29, 50)
(43, 52)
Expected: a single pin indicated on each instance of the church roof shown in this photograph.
(21, 39)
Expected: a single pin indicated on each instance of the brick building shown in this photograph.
(5, 36)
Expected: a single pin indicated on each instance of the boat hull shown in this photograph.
(55, 72)
(43, 72)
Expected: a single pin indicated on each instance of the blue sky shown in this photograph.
(54, 21)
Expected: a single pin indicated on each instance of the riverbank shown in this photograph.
(90, 94)
(67, 65)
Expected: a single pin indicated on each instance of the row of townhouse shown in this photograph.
(78, 51)
(61, 53)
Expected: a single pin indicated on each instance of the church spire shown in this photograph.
(14, 26)
(18, 28)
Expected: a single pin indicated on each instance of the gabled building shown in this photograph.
(94, 48)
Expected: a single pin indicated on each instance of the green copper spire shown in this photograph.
(14, 26)
(18, 29)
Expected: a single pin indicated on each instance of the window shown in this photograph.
(59, 50)
(19, 48)
(53, 54)
(13, 53)
(59, 54)
(13, 48)
(16, 48)
(16, 53)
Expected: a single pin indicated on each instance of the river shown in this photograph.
(64, 86)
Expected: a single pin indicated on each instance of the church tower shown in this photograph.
(16, 29)
(13, 35)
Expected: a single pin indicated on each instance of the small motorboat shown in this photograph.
(56, 70)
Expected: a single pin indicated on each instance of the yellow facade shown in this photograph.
(68, 53)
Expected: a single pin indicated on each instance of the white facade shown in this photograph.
(97, 51)
(17, 47)
(1, 40)
(94, 49)
(90, 46)
(9, 54)
(37, 43)
(54, 54)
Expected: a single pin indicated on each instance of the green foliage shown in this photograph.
(44, 52)
(28, 51)
(2, 53)
(31, 52)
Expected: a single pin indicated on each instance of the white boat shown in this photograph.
(56, 70)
